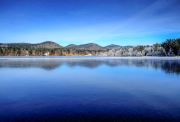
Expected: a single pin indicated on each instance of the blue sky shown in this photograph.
(122, 22)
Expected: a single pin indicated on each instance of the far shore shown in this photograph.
(90, 57)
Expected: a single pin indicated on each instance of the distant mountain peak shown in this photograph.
(88, 46)
(71, 46)
(47, 44)
(112, 46)
(91, 46)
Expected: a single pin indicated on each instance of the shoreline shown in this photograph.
(88, 57)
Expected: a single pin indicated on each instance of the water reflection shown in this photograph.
(168, 66)
(42, 63)
(89, 89)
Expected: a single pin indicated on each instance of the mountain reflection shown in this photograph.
(40, 63)
(169, 66)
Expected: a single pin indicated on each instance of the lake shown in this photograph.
(89, 88)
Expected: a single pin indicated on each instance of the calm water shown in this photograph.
(89, 89)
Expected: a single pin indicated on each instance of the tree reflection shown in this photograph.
(169, 66)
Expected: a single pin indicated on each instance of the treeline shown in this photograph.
(16, 51)
(172, 45)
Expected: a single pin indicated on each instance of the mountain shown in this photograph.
(90, 46)
(47, 44)
(51, 45)
(20, 45)
(71, 46)
(112, 46)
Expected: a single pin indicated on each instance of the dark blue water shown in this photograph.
(89, 89)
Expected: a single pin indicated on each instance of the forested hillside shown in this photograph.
(171, 47)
